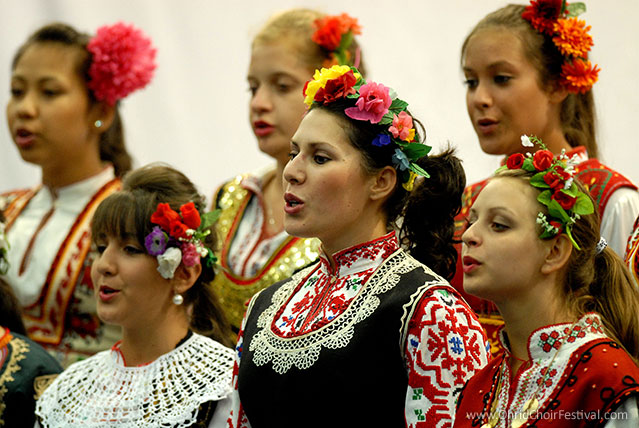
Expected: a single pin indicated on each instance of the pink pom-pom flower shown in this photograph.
(123, 61)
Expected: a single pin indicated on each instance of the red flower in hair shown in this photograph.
(515, 161)
(330, 30)
(190, 215)
(337, 88)
(164, 216)
(123, 60)
(542, 159)
(542, 15)
(579, 76)
(178, 229)
(566, 201)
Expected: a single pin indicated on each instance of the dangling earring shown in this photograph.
(98, 123)
(178, 299)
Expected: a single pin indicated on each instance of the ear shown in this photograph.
(383, 183)
(185, 277)
(103, 112)
(558, 94)
(559, 250)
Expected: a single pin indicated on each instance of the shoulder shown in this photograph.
(215, 352)
(37, 358)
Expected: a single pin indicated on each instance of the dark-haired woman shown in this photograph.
(370, 335)
(63, 116)
(151, 276)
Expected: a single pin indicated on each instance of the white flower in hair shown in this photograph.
(169, 261)
(525, 141)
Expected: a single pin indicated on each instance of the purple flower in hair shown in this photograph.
(155, 242)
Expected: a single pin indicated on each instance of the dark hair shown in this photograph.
(111, 144)
(10, 310)
(128, 213)
(577, 113)
(296, 26)
(597, 282)
(424, 216)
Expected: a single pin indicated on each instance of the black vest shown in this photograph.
(357, 375)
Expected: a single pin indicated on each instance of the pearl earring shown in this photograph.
(98, 123)
(178, 299)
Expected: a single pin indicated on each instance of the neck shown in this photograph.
(372, 229)
(526, 313)
(274, 201)
(58, 176)
(145, 344)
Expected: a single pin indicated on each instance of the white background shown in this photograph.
(194, 115)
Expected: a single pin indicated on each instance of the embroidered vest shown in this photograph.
(354, 362)
(598, 378)
(48, 320)
(234, 291)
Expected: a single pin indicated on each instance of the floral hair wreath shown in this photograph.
(335, 34)
(178, 237)
(123, 60)
(565, 202)
(558, 19)
(377, 104)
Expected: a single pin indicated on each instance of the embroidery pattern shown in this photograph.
(303, 351)
(19, 349)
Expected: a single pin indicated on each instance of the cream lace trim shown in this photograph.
(303, 351)
(100, 392)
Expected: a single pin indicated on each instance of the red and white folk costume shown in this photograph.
(632, 253)
(49, 259)
(369, 332)
(575, 375)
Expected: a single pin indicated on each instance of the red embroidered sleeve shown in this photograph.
(445, 346)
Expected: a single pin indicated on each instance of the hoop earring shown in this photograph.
(98, 123)
(177, 299)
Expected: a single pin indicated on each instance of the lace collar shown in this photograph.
(101, 392)
(359, 257)
(545, 341)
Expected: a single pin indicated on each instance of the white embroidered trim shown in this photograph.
(100, 392)
(303, 351)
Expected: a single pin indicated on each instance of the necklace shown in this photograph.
(531, 405)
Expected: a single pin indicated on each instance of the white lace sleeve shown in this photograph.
(626, 415)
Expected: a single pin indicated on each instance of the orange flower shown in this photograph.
(572, 37)
(330, 29)
(579, 76)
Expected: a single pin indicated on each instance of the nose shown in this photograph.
(293, 171)
(480, 96)
(261, 100)
(24, 106)
(104, 263)
(470, 237)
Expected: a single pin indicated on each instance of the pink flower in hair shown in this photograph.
(190, 254)
(373, 103)
(123, 61)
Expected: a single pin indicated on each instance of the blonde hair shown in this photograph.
(296, 27)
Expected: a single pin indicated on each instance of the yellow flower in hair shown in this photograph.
(321, 77)
(411, 181)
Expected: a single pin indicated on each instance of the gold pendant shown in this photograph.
(487, 425)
